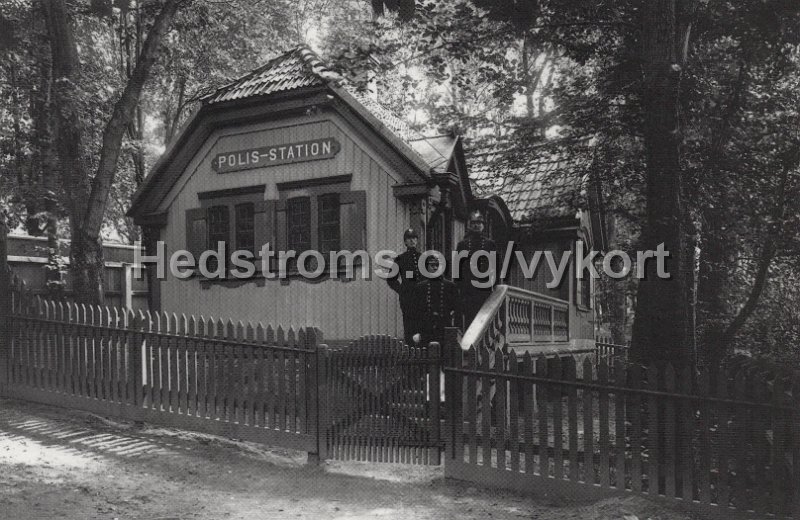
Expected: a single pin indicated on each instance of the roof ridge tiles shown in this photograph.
(255, 82)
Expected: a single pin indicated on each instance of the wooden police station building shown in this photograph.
(289, 155)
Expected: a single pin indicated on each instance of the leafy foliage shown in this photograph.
(528, 79)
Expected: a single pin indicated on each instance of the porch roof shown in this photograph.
(538, 186)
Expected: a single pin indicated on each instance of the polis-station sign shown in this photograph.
(326, 148)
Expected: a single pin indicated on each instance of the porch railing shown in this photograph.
(515, 316)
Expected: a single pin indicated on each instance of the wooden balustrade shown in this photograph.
(518, 317)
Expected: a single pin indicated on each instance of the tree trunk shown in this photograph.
(88, 203)
(172, 120)
(72, 166)
(615, 294)
(660, 326)
(137, 154)
(690, 297)
(87, 267)
(54, 282)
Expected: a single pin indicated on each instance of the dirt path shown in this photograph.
(62, 464)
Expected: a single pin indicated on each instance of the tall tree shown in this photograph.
(89, 194)
(661, 327)
(679, 96)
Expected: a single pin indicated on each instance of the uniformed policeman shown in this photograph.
(436, 298)
(403, 283)
(472, 298)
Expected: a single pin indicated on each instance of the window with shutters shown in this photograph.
(322, 215)
(439, 232)
(543, 275)
(586, 291)
(230, 216)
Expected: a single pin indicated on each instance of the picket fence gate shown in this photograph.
(375, 399)
(381, 402)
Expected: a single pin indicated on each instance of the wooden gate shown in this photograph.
(380, 401)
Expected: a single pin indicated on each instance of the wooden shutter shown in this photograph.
(196, 231)
(280, 225)
(353, 219)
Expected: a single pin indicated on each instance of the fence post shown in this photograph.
(127, 286)
(137, 356)
(451, 358)
(434, 398)
(5, 307)
(315, 390)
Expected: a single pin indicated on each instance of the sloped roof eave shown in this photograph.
(423, 168)
(139, 207)
(137, 201)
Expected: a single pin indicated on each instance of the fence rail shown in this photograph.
(606, 348)
(721, 440)
(375, 399)
(220, 377)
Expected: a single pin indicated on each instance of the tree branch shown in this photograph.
(121, 116)
(767, 255)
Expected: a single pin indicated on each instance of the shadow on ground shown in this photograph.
(57, 463)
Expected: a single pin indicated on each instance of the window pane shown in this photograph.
(217, 225)
(217, 231)
(245, 228)
(298, 224)
(329, 228)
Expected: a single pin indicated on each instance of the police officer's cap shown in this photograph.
(477, 216)
(410, 233)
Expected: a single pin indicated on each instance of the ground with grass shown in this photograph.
(57, 463)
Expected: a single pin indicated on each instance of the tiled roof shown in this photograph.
(297, 68)
(535, 187)
(391, 120)
(436, 150)
(301, 67)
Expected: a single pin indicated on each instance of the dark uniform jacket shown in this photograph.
(436, 299)
(471, 297)
(403, 282)
(472, 243)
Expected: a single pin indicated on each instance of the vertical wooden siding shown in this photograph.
(343, 309)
